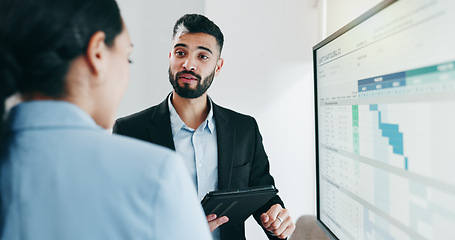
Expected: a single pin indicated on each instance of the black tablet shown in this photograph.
(238, 204)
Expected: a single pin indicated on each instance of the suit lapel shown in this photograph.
(160, 128)
(226, 146)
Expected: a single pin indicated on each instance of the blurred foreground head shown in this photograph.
(41, 39)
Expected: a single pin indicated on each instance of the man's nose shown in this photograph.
(189, 64)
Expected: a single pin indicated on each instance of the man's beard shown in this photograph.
(185, 91)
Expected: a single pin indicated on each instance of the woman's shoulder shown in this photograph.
(131, 160)
(127, 147)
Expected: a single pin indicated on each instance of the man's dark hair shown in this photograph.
(196, 23)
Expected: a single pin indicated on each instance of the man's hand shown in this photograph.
(215, 222)
(277, 221)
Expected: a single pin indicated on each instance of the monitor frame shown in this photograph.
(379, 7)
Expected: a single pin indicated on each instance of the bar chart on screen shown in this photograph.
(378, 152)
(385, 124)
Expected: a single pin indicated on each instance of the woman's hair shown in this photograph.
(40, 38)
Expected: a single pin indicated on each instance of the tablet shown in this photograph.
(238, 204)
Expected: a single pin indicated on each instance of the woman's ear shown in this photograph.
(96, 53)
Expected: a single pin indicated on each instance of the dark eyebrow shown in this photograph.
(180, 45)
(206, 49)
(200, 47)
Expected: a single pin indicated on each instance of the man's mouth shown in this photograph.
(187, 78)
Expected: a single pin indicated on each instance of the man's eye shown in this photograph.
(203, 57)
(179, 53)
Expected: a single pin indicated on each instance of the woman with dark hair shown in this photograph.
(62, 175)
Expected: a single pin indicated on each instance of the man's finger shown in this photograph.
(287, 232)
(289, 229)
(220, 221)
(283, 226)
(214, 224)
(264, 218)
(211, 217)
(274, 225)
(272, 213)
(279, 227)
(282, 220)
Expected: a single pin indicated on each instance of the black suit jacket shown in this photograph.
(242, 161)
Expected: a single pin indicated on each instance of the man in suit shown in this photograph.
(222, 149)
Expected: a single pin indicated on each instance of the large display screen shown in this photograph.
(385, 124)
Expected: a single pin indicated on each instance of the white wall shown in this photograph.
(340, 13)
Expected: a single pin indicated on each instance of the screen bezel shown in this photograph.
(379, 7)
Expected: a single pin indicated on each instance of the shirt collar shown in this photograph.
(177, 123)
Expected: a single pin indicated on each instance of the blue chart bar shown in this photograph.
(392, 132)
(395, 137)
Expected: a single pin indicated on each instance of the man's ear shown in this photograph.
(96, 51)
(219, 65)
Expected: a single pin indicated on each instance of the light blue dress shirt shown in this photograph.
(64, 177)
(199, 150)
